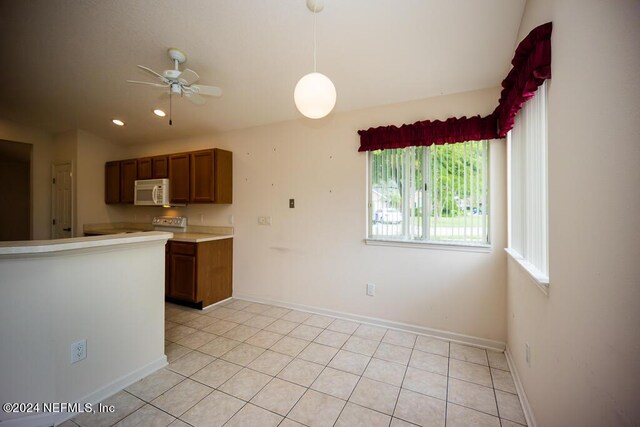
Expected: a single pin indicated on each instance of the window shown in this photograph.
(527, 172)
(430, 194)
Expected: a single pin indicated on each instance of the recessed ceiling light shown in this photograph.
(159, 113)
(118, 122)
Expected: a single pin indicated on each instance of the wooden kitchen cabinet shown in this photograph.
(199, 274)
(182, 271)
(204, 176)
(211, 176)
(112, 182)
(160, 167)
(145, 168)
(179, 178)
(128, 176)
(153, 167)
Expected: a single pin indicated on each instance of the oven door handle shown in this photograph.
(154, 194)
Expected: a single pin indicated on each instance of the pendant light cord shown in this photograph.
(314, 38)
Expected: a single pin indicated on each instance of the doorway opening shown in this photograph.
(62, 200)
(15, 190)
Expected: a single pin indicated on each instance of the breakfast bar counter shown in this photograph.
(104, 293)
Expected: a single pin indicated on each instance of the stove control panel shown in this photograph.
(170, 221)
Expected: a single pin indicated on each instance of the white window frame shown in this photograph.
(426, 243)
(527, 187)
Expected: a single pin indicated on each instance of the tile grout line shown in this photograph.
(446, 396)
(360, 376)
(349, 334)
(400, 388)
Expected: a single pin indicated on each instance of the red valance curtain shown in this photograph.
(429, 132)
(531, 67)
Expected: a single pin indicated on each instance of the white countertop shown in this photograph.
(25, 247)
(198, 237)
(194, 234)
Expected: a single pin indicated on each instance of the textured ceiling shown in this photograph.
(66, 62)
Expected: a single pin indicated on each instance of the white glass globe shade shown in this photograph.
(315, 95)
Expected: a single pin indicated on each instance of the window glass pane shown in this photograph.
(387, 173)
(528, 209)
(436, 193)
(459, 192)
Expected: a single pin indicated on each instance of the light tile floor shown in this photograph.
(248, 364)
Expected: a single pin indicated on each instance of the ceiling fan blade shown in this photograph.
(153, 73)
(195, 98)
(206, 90)
(188, 77)
(147, 83)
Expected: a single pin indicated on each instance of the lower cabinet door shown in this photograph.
(182, 279)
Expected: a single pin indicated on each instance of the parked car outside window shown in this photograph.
(387, 216)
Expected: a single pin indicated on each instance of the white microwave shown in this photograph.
(151, 192)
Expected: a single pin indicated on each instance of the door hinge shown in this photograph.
(53, 221)
(54, 180)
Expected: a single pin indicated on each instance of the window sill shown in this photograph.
(541, 280)
(447, 246)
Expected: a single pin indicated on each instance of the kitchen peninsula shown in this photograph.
(104, 291)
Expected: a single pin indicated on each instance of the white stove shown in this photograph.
(174, 224)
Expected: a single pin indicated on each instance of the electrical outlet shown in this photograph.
(78, 351)
(527, 353)
(371, 289)
(264, 220)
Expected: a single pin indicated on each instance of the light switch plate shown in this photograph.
(371, 289)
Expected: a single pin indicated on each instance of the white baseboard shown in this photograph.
(436, 333)
(526, 407)
(48, 420)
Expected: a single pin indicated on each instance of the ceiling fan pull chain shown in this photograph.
(170, 113)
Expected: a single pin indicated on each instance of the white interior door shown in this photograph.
(62, 200)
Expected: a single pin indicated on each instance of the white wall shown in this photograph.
(315, 254)
(40, 173)
(585, 336)
(93, 152)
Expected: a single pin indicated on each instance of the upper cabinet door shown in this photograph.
(128, 176)
(160, 167)
(145, 170)
(223, 176)
(112, 182)
(202, 178)
(179, 178)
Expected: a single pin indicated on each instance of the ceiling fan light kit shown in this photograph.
(178, 82)
(315, 94)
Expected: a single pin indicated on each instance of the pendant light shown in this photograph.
(315, 94)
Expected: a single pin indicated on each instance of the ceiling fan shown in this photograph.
(178, 82)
